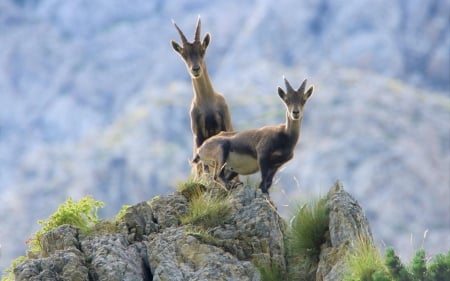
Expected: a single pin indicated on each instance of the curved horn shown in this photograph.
(183, 38)
(303, 86)
(197, 30)
(288, 86)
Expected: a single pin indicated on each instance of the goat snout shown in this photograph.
(296, 114)
(196, 69)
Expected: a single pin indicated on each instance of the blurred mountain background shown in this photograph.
(93, 100)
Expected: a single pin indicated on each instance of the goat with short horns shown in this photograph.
(265, 149)
(209, 111)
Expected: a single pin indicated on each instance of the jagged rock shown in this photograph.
(150, 243)
(255, 231)
(111, 257)
(175, 255)
(61, 258)
(138, 221)
(168, 209)
(61, 265)
(347, 225)
(61, 238)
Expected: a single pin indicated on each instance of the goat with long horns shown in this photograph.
(209, 111)
(265, 149)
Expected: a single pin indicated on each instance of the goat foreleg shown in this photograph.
(267, 174)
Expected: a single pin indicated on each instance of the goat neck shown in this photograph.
(203, 88)
(292, 127)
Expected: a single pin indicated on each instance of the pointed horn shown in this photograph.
(303, 86)
(197, 29)
(183, 38)
(288, 86)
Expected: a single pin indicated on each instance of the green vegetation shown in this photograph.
(363, 261)
(207, 210)
(365, 268)
(307, 229)
(82, 214)
(193, 188)
(306, 234)
(8, 274)
(270, 272)
(122, 212)
(208, 204)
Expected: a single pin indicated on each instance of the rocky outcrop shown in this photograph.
(149, 243)
(347, 225)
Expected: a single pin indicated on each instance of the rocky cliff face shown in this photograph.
(151, 244)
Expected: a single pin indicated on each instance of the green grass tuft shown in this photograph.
(207, 210)
(193, 187)
(364, 261)
(307, 229)
(270, 272)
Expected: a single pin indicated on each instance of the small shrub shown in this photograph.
(82, 214)
(396, 269)
(307, 230)
(207, 210)
(393, 269)
(381, 276)
(419, 266)
(364, 261)
(439, 268)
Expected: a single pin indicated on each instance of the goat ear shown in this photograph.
(309, 92)
(281, 93)
(206, 40)
(176, 46)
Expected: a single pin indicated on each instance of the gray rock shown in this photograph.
(138, 221)
(347, 225)
(255, 231)
(61, 265)
(175, 255)
(167, 209)
(64, 237)
(111, 257)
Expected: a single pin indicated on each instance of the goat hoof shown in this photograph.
(234, 185)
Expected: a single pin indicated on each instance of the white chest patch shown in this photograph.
(242, 164)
